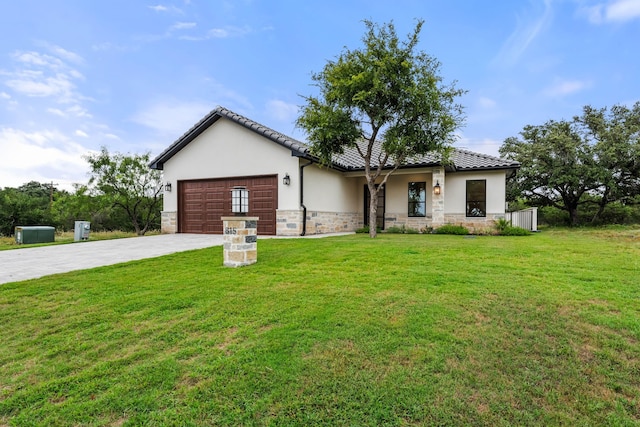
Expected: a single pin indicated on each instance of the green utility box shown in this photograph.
(35, 234)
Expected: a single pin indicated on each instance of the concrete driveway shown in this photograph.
(31, 263)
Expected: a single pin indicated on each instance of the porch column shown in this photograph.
(437, 200)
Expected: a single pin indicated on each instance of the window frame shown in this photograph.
(411, 213)
(474, 202)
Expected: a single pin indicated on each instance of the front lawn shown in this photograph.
(400, 330)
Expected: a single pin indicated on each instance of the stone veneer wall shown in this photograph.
(437, 201)
(475, 225)
(289, 223)
(168, 222)
(398, 220)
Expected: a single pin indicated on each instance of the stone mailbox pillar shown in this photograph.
(240, 240)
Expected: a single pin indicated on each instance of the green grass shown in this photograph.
(402, 330)
(68, 237)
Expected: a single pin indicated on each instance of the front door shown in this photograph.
(379, 212)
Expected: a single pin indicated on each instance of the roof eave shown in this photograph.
(180, 143)
(487, 168)
(211, 118)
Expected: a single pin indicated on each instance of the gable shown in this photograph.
(227, 149)
(296, 148)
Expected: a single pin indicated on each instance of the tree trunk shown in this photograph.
(573, 215)
(373, 210)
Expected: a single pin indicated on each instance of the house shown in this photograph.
(293, 195)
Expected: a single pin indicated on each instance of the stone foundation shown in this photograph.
(475, 225)
(481, 225)
(289, 223)
(333, 222)
(169, 222)
(398, 220)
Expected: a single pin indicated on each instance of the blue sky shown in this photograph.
(133, 75)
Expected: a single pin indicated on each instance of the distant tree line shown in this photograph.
(580, 171)
(122, 194)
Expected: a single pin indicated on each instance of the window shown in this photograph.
(417, 199)
(477, 197)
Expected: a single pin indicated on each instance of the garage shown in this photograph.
(201, 203)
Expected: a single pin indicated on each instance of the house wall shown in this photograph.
(329, 191)
(454, 193)
(455, 199)
(331, 200)
(227, 149)
(334, 201)
(397, 200)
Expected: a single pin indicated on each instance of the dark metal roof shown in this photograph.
(350, 160)
(459, 160)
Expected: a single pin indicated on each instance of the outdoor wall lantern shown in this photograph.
(286, 180)
(436, 188)
(239, 200)
(167, 187)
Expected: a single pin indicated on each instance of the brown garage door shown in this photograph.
(202, 203)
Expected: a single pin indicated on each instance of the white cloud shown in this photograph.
(486, 103)
(4, 95)
(34, 83)
(222, 33)
(229, 31)
(38, 59)
(65, 54)
(42, 75)
(183, 25)
(75, 111)
(108, 46)
(51, 155)
(57, 112)
(80, 133)
(162, 8)
(612, 11)
(281, 110)
(527, 30)
(566, 87)
(479, 145)
(158, 8)
(171, 118)
(79, 111)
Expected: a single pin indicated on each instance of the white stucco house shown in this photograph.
(293, 195)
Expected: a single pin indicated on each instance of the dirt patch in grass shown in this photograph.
(119, 422)
(229, 339)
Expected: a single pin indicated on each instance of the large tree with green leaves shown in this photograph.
(129, 185)
(557, 165)
(388, 93)
(566, 164)
(29, 204)
(615, 135)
